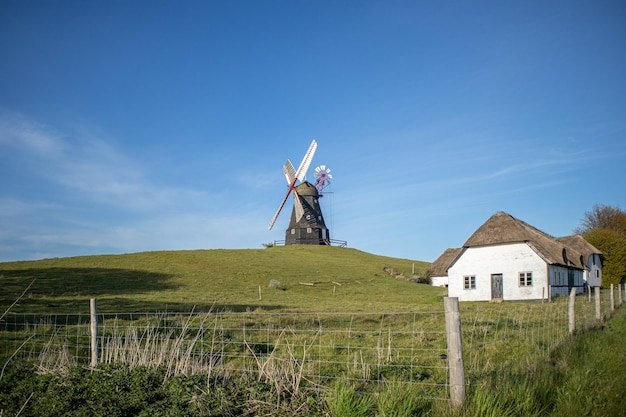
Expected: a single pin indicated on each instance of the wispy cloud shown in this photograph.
(104, 199)
(25, 135)
(81, 163)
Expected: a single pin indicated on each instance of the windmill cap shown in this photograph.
(306, 188)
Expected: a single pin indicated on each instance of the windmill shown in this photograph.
(307, 223)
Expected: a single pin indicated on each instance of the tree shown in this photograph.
(603, 217)
(613, 246)
(605, 228)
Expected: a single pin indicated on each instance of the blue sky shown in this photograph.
(130, 126)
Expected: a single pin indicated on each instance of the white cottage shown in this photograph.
(507, 259)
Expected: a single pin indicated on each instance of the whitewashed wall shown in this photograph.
(508, 260)
(439, 281)
(593, 276)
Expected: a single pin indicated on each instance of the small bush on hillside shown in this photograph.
(274, 283)
(421, 280)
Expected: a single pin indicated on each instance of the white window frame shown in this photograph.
(525, 279)
(469, 282)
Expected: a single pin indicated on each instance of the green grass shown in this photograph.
(594, 382)
(519, 359)
(583, 376)
(236, 280)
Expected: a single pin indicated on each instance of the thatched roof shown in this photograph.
(502, 228)
(578, 243)
(439, 268)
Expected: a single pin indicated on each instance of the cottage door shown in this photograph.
(496, 286)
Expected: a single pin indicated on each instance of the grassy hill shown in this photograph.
(287, 278)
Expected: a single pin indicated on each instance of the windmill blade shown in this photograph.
(292, 177)
(279, 209)
(290, 172)
(297, 204)
(306, 161)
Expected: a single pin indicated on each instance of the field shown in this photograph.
(343, 279)
(320, 330)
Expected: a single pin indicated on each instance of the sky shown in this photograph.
(131, 126)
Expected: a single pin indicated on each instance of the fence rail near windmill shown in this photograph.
(330, 242)
(291, 349)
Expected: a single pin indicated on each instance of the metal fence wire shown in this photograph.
(314, 347)
(291, 349)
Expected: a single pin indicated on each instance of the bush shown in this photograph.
(274, 283)
(113, 391)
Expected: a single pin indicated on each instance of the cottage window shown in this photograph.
(469, 282)
(309, 230)
(525, 279)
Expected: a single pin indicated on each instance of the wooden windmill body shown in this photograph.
(308, 228)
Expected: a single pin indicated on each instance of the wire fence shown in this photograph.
(514, 333)
(316, 348)
(291, 349)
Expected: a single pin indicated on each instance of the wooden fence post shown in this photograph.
(455, 351)
(619, 295)
(571, 310)
(93, 322)
(596, 293)
(612, 299)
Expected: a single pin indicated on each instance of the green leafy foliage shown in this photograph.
(114, 391)
(613, 246)
(605, 228)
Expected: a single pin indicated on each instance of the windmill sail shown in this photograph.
(297, 204)
(306, 161)
(279, 209)
(293, 176)
(290, 172)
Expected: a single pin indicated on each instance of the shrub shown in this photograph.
(274, 283)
